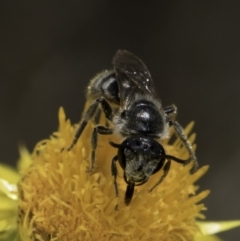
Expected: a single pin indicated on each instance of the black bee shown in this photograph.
(127, 97)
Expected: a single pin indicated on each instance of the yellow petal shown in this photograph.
(25, 158)
(7, 173)
(7, 224)
(8, 214)
(216, 227)
(8, 189)
(7, 204)
(10, 236)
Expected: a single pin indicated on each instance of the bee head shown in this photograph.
(139, 157)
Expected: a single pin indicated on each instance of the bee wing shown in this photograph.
(133, 77)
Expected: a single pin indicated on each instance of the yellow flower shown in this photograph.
(59, 200)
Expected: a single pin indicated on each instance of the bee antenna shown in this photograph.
(176, 159)
(115, 144)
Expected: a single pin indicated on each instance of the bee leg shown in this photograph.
(107, 109)
(129, 192)
(180, 132)
(90, 113)
(97, 116)
(97, 130)
(171, 112)
(166, 168)
(114, 173)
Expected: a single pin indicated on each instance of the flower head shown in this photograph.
(59, 200)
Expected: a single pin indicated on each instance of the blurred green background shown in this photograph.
(49, 50)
